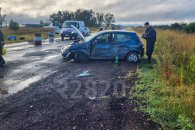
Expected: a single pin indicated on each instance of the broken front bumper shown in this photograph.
(65, 52)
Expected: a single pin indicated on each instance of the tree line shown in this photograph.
(90, 17)
(189, 28)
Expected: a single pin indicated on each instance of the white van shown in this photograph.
(56, 26)
(68, 31)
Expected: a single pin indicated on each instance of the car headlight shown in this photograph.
(67, 47)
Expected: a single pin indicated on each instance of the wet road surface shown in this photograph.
(27, 63)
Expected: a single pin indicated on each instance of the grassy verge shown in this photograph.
(166, 89)
(156, 99)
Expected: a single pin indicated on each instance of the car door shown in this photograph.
(123, 43)
(102, 45)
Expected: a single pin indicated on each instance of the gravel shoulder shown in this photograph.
(65, 101)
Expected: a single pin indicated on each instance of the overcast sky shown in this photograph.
(125, 11)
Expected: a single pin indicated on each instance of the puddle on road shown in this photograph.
(24, 84)
(4, 92)
(36, 58)
(19, 48)
(9, 82)
(16, 80)
(1, 77)
(49, 58)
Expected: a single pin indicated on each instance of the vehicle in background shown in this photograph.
(68, 31)
(102, 27)
(116, 27)
(56, 26)
(105, 45)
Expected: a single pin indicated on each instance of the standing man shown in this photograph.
(150, 37)
(2, 61)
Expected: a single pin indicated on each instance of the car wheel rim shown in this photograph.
(133, 58)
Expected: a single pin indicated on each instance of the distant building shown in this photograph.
(32, 25)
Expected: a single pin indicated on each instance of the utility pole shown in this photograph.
(2, 18)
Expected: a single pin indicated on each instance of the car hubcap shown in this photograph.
(133, 58)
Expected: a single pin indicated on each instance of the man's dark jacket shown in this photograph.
(1, 42)
(150, 36)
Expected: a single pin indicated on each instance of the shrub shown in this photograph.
(175, 53)
(190, 28)
(13, 25)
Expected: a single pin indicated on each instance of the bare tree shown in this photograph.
(2, 18)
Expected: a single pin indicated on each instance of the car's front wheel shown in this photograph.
(132, 57)
(62, 37)
(80, 57)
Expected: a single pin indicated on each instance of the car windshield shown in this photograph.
(91, 37)
(68, 24)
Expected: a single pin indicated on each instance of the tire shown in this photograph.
(132, 57)
(62, 38)
(80, 57)
(76, 37)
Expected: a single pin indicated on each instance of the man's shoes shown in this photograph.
(149, 59)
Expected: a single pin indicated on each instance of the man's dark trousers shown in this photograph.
(2, 61)
(150, 50)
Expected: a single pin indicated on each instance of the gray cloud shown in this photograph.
(126, 11)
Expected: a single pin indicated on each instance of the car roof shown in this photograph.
(117, 31)
(73, 21)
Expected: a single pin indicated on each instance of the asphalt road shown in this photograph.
(27, 63)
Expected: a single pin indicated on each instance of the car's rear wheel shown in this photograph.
(80, 57)
(132, 57)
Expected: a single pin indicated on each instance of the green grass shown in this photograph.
(153, 96)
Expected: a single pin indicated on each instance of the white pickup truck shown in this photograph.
(68, 31)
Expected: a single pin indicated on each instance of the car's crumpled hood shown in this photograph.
(77, 46)
(81, 35)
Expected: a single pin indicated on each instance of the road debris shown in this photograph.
(84, 74)
(92, 98)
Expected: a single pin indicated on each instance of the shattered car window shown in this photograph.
(123, 38)
(105, 38)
